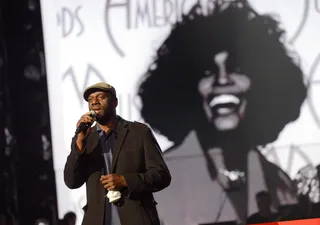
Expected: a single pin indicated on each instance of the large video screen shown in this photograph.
(230, 88)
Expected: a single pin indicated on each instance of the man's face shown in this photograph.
(223, 92)
(103, 103)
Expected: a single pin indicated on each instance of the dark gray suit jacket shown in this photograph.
(138, 157)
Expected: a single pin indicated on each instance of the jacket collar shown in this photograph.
(121, 131)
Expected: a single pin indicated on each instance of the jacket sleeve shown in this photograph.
(157, 175)
(74, 170)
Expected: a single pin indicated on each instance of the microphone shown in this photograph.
(84, 126)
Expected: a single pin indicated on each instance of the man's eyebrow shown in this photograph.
(100, 94)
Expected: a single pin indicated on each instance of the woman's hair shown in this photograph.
(171, 103)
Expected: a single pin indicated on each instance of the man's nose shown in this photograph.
(94, 101)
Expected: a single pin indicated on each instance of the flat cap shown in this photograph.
(101, 86)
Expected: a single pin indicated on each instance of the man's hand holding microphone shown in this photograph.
(84, 128)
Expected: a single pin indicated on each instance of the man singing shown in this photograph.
(115, 156)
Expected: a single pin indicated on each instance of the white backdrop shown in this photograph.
(87, 41)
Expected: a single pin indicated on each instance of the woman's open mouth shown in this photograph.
(224, 104)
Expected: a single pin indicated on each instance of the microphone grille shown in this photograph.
(93, 114)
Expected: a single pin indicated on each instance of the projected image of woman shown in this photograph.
(221, 85)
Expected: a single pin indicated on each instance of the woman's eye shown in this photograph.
(207, 73)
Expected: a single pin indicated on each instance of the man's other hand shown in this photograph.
(113, 182)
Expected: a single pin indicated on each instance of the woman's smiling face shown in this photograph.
(223, 93)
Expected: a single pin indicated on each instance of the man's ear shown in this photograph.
(115, 102)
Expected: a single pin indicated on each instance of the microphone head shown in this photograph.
(93, 114)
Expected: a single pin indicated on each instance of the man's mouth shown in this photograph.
(96, 109)
(224, 104)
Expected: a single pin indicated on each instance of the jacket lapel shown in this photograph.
(93, 139)
(121, 133)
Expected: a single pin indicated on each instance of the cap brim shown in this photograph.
(92, 90)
